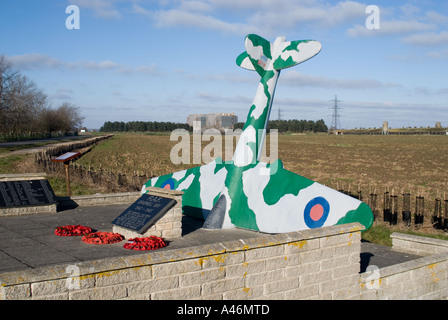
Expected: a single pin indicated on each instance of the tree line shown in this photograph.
(142, 126)
(154, 126)
(26, 111)
(293, 125)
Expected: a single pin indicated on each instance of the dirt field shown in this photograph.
(416, 164)
(402, 163)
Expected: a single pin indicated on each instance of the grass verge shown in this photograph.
(380, 233)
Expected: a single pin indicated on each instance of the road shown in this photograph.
(34, 148)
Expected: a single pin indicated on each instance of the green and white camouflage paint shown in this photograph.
(250, 194)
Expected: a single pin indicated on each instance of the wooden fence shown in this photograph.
(411, 211)
(405, 209)
(111, 181)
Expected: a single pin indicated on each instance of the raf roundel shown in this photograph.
(168, 184)
(316, 212)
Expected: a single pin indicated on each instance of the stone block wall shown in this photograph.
(423, 278)
(421, 246)
(311, 264)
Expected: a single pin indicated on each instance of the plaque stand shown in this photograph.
(168, 226)
(65, 158)
(28, 193)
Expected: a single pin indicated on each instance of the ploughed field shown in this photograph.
(415, 164)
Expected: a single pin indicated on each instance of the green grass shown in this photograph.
(372, 162)
(59, 186)
(8, 164)
(380, 234)
(31, 145)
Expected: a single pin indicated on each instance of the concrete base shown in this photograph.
(17, 211)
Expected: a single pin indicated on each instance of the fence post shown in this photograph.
(437, 218)
(386, 209)
(393, 209)
(445, 220)
(407, 209)
(419, 210)
(372, 204)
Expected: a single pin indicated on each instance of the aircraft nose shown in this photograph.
(215, 218)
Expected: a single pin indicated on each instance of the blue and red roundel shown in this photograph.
(168, 184)
(316, 212)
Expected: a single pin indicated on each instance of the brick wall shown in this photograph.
(423, 278)
(311, 264)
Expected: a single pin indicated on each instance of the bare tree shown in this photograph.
(7, 74)
(70, 116)
(64, 119)
(21, 101)
(25, 109)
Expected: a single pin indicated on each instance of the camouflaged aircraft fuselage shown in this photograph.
(250, 194)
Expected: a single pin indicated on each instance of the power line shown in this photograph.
(279, 114)
(335, 122)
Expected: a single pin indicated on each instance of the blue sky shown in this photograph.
(162, 60)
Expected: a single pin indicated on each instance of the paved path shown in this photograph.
(29, 241)
(34, 148)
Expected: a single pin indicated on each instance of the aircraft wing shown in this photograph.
(201, 185)
(271, 199)
(276, 200)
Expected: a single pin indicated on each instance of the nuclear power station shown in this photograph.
(218, 121)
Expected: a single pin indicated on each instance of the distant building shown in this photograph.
(218, 121)
(385, 127)
(83, 130)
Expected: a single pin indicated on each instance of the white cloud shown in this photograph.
(103, 65)
(436, 17)
(63, 94)
(295, 78)
(396, 27)
(36, 61)
(242, 17)
(438, 54)
(195, 6)
(412, 24)
(211, 97)
(428, 39)
(175, 17)
(42, 61)
(102, 8)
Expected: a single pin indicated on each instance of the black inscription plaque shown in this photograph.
(26, 193)
(143, 213)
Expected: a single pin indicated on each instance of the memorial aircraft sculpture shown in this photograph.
(248, 193)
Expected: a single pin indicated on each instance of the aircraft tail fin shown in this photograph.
(258, 55)
(292, 53)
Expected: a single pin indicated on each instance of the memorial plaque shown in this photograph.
(26, 193)
(143, 213)
(67, 157)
